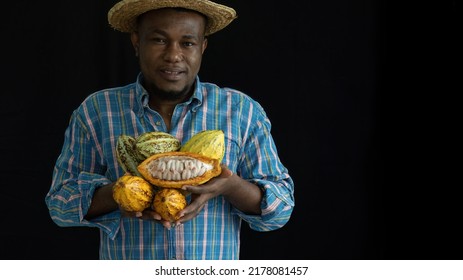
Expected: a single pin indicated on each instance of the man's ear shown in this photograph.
(204, 45)
(135, 41)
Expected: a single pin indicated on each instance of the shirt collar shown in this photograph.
(142, 94)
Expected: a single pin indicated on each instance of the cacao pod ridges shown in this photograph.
(126, 155)
(210, 143)
(133, 193)
(168, 202)
(155, 142)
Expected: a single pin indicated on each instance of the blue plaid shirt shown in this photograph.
(88, 161)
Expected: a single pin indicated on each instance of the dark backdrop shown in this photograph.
(358, 118)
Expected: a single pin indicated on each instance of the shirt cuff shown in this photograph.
(109, 222)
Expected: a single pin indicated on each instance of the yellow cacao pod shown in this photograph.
(168, 202)
(133, 193)
(210, 143)
(155, 142)
(176, 169)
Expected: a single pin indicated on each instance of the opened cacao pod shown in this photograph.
(176, 169)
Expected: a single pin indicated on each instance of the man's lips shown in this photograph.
(172, 74)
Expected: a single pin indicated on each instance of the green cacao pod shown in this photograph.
(126, 154)
(209, 143)
(155, 142)
(176, 169)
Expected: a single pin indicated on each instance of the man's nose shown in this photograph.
(173, 53)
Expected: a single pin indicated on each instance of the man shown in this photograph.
(169, 39)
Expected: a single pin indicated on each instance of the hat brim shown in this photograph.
(123, 15)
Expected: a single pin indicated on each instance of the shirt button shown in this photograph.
(158, 123)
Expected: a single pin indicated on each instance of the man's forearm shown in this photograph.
(102, 202)
(245, 196)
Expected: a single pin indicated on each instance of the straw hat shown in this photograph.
(122, 16)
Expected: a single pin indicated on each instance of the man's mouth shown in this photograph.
(172, 75)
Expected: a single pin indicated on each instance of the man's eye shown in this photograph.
(158, 40)
(188, 44)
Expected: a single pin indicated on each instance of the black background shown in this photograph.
(361, 95)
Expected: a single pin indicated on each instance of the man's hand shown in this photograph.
(147, 214)
(201, 194)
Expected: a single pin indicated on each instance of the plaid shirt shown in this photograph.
(88, 161)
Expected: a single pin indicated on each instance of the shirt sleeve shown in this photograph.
(261, 165)
(78, 172)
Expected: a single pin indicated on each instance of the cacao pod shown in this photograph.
(210, 143)
(176, 169)
(126, 154)
(155, 142)
(168, 202)
(133, 193)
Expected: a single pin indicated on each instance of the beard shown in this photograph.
(171, 95)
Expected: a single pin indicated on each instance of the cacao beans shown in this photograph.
(176, 169)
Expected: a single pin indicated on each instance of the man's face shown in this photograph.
(170, 46)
